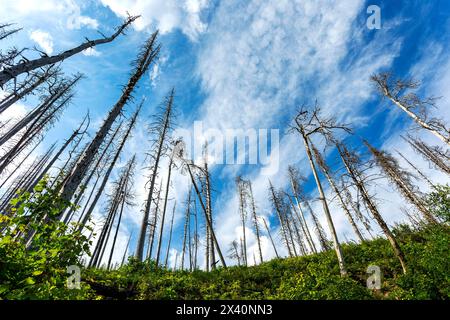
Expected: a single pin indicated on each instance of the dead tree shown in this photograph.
(270, 237)
(350, 161)
(11, 72)
(120, 196)
(435, 155)
(411, 104)
(254, 217)
(320, 233)
(161, 128)
(287, 218)
(295, 178)
(196, 236)
(126, 196)
(58, 94)
(327, 173)
(5, 32)
(234, 252)
(154, 223)
(126, 250)
(308, 123)
(187, 222)
(19, 165)
(188, 165)
(23, 181)
(145, 58)
(243, 215)
(356, 207)
(163, 216)
(205, 183)
(170, 236)
(30, 84)
(279, 210)
(125, 136)
(104, 154)
(416, 169)
(35, 126)
(402, 180)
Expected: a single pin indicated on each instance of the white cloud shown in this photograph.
(166, 15)
(91, 52)
(57, 11)
(43, 39)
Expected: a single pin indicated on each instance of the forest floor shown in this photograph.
(309, 277)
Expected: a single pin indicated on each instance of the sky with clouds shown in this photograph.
(246, 65)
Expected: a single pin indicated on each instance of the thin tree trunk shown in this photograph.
(210, 226)
(255, 220)
(161, 140)
(163, 217)
(270, 237)
(276, 204)
(170, 237)
(322, 198)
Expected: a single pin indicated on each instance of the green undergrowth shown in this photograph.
(311, 277)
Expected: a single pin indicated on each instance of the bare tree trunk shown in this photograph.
(124, 192)
(35, 83)
(126, 250)
(161, 140)
(326, 172)
(163, 217)
(430, 155)
(322, 198)
(270, 237)
(19, 165)
(243, 215)
(400, 178)
(186, 224)
(372, 207)
(432, 185)
(29, 65)
(170, 236)
(153, 225)
(209, 223)
(277, 208)
(408, 104)
(255, 220)
(110, 168)
(145, 58)
(210, 215)
(63, 90)
(294, 186)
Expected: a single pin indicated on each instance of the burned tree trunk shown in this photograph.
(111, 167)
(145, 58)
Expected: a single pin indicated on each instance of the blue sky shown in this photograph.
(247, 64)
